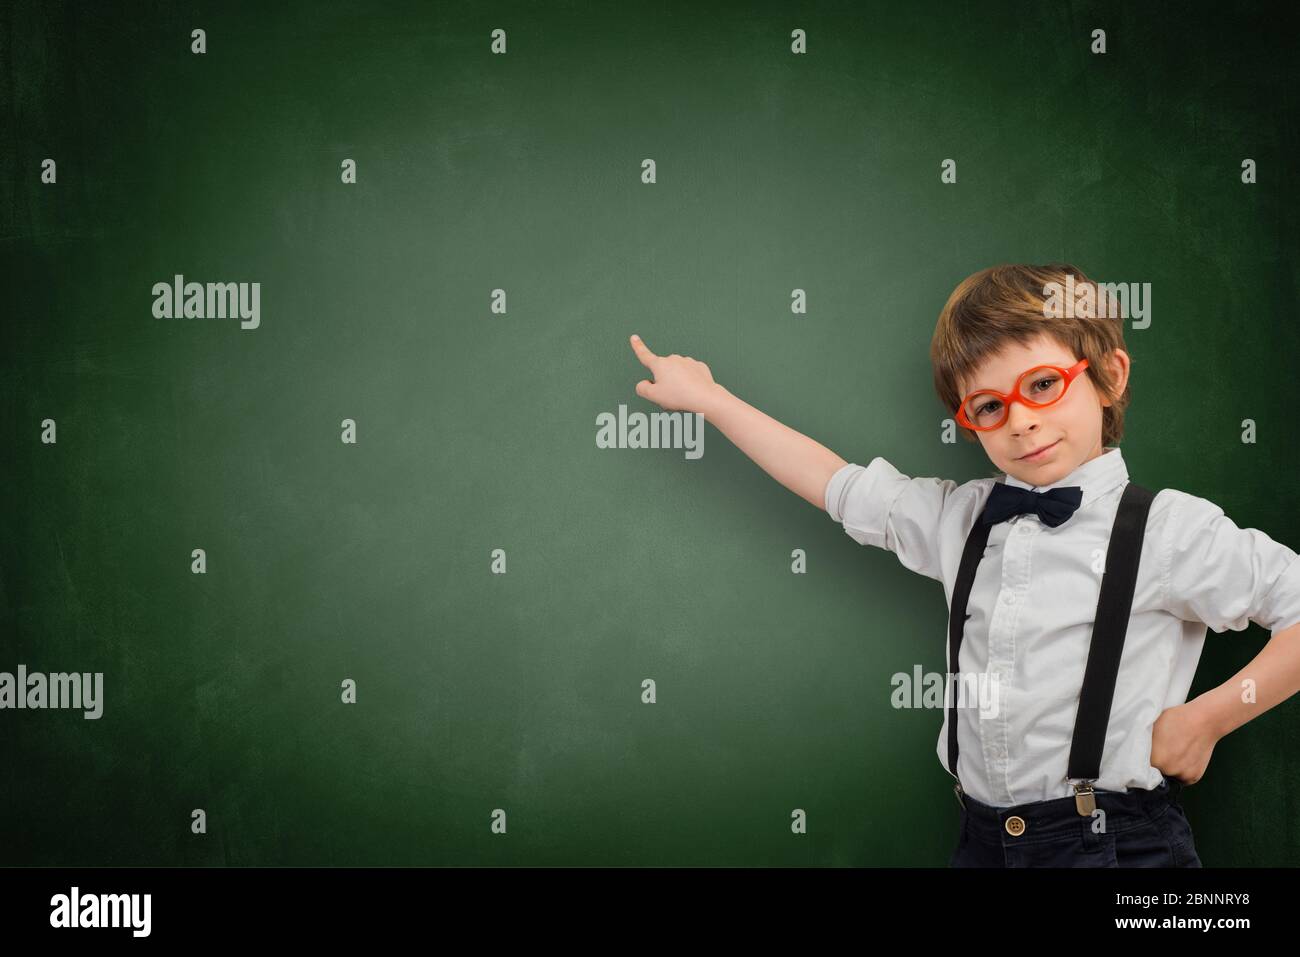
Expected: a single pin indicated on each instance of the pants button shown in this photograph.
(1015, 825)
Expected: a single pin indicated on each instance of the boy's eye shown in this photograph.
(1044, 384)
(987, 407)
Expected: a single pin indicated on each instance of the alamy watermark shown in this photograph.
(76, 909)
(933, 689)
(656, 430)
(179, 299)
(35, 690)
(1102, 300)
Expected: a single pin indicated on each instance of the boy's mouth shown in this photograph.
(1035, 456)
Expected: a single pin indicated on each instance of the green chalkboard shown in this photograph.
(475, 412)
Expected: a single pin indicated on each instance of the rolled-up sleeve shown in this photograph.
(880, 506)
(1226, 576)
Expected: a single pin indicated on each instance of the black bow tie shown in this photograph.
(1053, 506)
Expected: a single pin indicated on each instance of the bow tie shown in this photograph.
(1053, 506)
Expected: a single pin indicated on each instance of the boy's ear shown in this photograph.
(1120, 364)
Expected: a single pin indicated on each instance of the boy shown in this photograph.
(1080, 594)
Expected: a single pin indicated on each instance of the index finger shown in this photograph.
(643, 352)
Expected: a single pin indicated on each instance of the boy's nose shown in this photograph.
(1021, 418)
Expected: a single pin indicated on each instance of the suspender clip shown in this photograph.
(1085, 801)
(956, 789)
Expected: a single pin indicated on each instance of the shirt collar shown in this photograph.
(1096, 477)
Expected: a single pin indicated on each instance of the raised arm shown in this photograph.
(681, 383)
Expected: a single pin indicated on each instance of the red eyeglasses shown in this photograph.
(1037, 387)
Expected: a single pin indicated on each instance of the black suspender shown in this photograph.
(970, 559)
(1110, 625)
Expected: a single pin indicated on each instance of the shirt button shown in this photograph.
(1009, 598)
(1015, 825)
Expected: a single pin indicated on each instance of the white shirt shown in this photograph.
(1032, 605)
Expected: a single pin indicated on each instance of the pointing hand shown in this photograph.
(680, 382)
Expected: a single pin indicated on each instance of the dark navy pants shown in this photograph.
(1141, 829)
